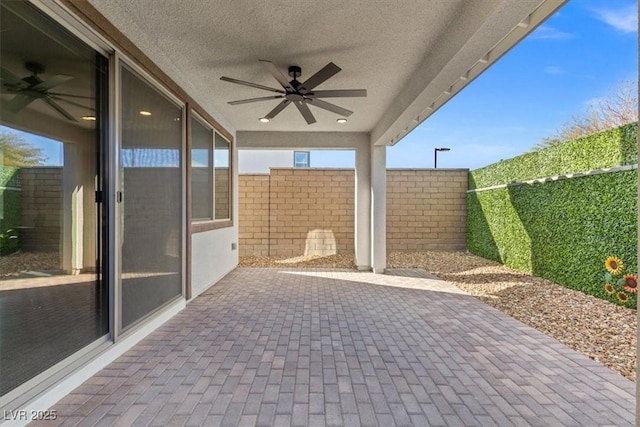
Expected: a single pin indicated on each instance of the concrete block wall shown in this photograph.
(41, 209)
(426, 209)
(293, 212)
(253, 215)
(312, 211)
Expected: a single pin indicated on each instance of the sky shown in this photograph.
(578, 55)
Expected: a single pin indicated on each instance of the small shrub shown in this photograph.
(9, 241)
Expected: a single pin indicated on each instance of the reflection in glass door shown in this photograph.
(52, 297)
(151, 199)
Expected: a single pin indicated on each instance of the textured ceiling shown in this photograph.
(394, 49)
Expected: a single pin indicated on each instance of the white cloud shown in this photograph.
(624, 19)
(554, 70)
(546, 32)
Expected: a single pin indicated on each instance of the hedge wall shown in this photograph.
(11, 209)
(561, 230)
(607, 149)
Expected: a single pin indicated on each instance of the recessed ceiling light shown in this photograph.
(145, 113)
(89, 118)
(263, 120)
(341, 120)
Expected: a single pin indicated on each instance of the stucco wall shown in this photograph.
(294, 212)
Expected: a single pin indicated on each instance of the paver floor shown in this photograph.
(327, 347)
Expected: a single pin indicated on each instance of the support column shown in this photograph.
(362, 225)
(378, 208)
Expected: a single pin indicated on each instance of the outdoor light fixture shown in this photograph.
(435, 155)
(145, 113)
(263, 120)
(341, 120)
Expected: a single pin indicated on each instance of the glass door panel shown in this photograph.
(151, 198)
(53, 301)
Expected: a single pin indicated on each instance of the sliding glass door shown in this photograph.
(151, 198)
(53, 299)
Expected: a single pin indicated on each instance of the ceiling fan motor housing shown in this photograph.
(34, 67)
(295, 71)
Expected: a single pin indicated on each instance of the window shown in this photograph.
(210, 173)
(221, 161)
(201, 170)
(301, 159)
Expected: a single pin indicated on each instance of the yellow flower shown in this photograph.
(608, 287)
(613, 265)
(631, 283)
(622, 297)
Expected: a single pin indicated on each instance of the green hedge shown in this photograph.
(9, 176)
(561, 230)
(607, 149)
(11, 209)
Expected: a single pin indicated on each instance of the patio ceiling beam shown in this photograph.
(466, 49)
(301, 140)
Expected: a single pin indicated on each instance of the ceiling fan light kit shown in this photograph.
(300, 94)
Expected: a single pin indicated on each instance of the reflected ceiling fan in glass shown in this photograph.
(300, 94)
(31, 88)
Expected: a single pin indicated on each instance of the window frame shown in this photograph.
(211, 147)
(229, 173)
(202, 225)
(308, 162)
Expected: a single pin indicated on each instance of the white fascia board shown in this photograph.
(301, 140)
(468, 48)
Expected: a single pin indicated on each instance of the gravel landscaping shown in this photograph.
(14, 264)
(599, 329)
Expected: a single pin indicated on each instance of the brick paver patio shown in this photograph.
(328, 347)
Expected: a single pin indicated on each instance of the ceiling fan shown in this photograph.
(30, 88)
(300, 94)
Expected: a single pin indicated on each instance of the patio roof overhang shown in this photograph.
(411, 56)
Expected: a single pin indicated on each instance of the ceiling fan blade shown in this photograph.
(18, 102)
(53, 82)
(246, 101)
(59, 99)
(347, 93)
(59, 109)
(69, 95)
(9, 78)
(278, 109)
(306, 113)
(273, 70)
(330, 107)
(321, 76)
(257, 86)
